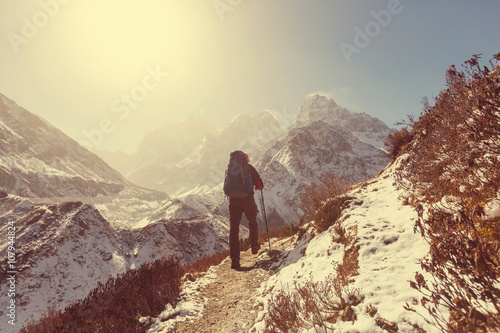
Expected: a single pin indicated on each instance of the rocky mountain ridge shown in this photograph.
(64, 250)
(309, 153)
(78, 221)
(323, 138)
(38, 160)
(202, 167)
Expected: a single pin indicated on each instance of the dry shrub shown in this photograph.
(397, 142)
(283, 315)
(320, 304)
(454, 167)
(289, 231)
(456, 140)
(325, 200)
(204, 263)
(117, 305)
(280, 233)
(465, 268)
(342, 236)
(312, 305)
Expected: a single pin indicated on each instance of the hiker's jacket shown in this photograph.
(257, 181)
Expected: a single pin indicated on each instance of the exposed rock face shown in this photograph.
(38, 160)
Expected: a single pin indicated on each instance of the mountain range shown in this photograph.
(80, 221)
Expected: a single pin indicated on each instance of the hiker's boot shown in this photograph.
(255, 249)
(235, 263)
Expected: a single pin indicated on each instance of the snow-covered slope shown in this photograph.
(38, 160)
(389, 255)
(64, 250)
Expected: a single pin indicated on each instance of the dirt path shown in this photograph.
(229, 299)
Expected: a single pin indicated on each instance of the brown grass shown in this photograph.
(397, 142)
(325, 200)
(204, 263)
(117, 305)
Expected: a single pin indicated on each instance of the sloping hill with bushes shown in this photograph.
(415, 249)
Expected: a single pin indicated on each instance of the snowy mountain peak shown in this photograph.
(318, 101)
(318, 108)
(366, 128)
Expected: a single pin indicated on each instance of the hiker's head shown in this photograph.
(248, 159)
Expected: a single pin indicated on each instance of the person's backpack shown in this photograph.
(238, 182)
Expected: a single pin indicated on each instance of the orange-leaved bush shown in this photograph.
(453, 165)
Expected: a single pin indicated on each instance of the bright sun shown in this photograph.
(122, 37)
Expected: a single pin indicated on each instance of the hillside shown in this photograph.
(79, 222)
(38, 160)
(64, 250)
(388, 251)
(414, 249)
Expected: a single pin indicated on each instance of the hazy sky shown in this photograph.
(106, 72)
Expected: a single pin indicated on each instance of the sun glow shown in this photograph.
(115, 40)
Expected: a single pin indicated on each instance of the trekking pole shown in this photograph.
(265, 218)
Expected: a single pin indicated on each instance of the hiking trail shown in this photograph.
(229, 298)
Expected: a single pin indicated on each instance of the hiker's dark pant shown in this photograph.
(238, 206)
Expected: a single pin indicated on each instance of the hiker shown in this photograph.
(239, 183)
